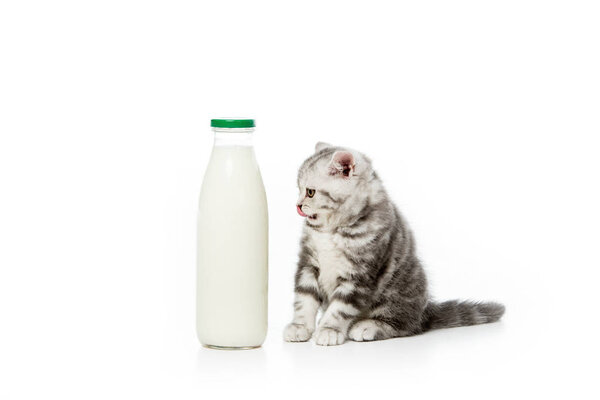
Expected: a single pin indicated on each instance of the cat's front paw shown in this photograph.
(296, 333)
(329, 337)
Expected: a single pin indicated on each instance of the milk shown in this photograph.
(232, 247)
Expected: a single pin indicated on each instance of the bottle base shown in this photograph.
(211, 346)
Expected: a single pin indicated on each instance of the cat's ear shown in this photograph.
(321, 145)
(342, 163)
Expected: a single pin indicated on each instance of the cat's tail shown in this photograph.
(454, 313)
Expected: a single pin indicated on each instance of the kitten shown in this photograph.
(358, 262)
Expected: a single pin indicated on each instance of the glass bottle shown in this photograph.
(232, 270)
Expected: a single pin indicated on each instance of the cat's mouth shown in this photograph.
(303, 214)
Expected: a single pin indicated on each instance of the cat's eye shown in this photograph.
(310, 192)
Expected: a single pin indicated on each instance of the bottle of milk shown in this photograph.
(232, 242)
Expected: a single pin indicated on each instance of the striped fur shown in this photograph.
(358, 262)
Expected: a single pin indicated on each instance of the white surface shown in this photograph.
(482, 118)
(233, 238)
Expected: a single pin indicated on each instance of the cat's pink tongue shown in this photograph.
(300, 211)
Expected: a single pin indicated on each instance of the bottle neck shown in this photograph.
(233, 136)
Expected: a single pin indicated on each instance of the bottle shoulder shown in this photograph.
(232, 172)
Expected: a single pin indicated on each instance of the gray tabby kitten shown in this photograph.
(358, 262)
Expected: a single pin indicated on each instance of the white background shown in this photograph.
(481, 117)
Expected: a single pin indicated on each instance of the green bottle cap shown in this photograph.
(232, 123)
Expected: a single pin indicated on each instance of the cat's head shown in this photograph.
(334, 185)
